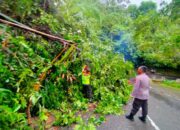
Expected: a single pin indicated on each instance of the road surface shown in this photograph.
(164, 113)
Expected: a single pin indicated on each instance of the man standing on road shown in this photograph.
(140, 94)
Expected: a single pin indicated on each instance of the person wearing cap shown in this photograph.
(87, 88)
(140, 94)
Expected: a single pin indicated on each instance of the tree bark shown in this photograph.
(28, 112)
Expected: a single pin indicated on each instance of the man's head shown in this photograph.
(142, 69)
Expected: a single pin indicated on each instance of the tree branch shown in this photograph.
(63, 41)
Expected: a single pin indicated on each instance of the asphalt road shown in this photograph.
(164, 113)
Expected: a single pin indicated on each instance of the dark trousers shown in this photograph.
(137, 103)
(87, 91)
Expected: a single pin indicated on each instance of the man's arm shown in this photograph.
(136, 86)
(132, 81)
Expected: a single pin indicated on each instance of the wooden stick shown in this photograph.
(10, 19)
(63, 41)
(54, 60)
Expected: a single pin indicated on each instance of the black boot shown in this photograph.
(143, 119)
(130, 117)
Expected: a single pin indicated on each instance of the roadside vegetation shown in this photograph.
(171, 83)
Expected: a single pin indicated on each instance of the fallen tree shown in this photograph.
(63, 41)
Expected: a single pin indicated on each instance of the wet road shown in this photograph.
(164, 113)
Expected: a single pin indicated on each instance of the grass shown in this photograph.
(171, 83)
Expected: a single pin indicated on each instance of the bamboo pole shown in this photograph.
(10, 19)
(63, 41)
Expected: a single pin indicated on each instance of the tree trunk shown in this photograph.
(28, 112)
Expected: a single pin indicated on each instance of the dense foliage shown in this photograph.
(26, 57)
(156, 34)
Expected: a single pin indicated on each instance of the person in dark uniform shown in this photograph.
(87, 88)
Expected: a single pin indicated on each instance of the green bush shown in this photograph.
(171, 83)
